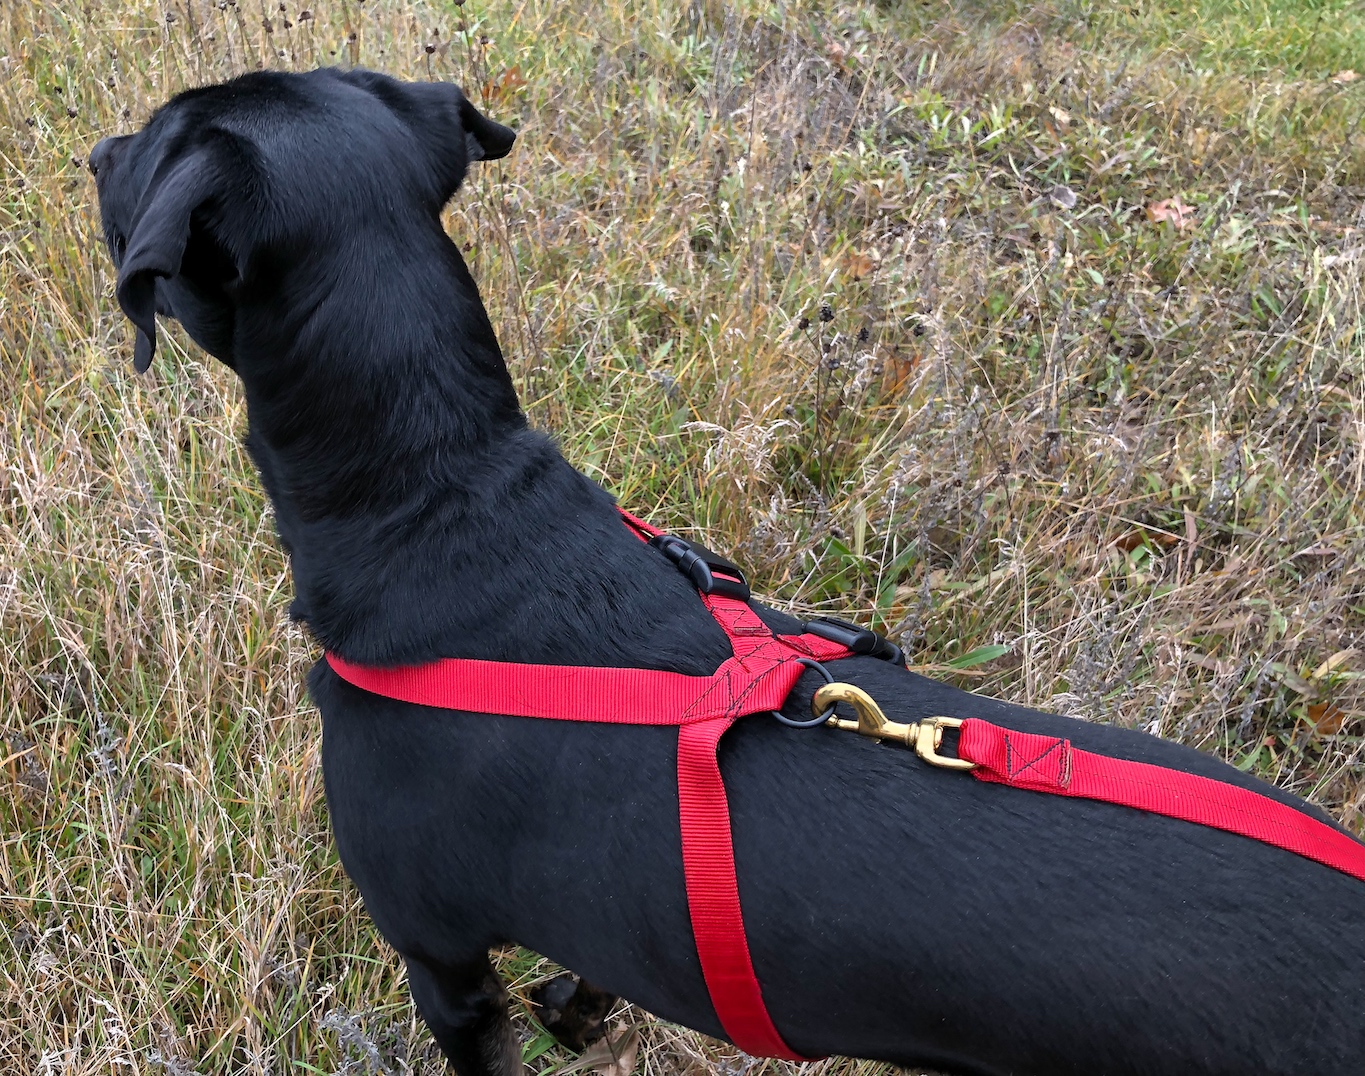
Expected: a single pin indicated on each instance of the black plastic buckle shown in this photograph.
(701, 566)
(858, 639)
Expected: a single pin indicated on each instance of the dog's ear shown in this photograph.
(160, 232)
(484, 139)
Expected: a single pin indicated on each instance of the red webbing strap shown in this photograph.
(707, 844)
(561, 692)
(713, 895)
(759, 679)
(1047, 764)
(644, 531)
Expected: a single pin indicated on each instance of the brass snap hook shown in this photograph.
(924, 737)
(871, 721)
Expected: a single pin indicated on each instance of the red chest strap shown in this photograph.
(757, 678)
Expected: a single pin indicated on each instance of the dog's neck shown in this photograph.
(425, 519)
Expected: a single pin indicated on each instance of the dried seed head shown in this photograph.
(826, 312)
(863, 334)
(803, 324)
(428, 48)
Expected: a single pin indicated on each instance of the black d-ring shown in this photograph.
(810, 723)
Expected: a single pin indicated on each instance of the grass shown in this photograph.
(866, 295)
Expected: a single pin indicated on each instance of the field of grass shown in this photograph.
(868, 296)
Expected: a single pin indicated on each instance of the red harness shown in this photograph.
(758, 678)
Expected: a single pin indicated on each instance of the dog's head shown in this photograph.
(229, 189)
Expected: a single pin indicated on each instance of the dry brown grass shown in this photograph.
(1125, 459)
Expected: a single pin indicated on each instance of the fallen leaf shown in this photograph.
(1171, 210)
(898, 370)
(611, 1056)
(1061, 115)
(1062, 196)
(859, 265)
(1130, 540)
(1121, 157)
(504, 84)
(1345, 75)
(1334, 662)
(1327, 718)
(1213, 665)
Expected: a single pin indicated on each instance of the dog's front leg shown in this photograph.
(465, 1006)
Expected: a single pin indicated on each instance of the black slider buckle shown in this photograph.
(858, 639)
(701, 566)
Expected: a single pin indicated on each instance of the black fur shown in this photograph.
(894, 911)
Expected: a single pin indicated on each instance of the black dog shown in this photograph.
(894, 911)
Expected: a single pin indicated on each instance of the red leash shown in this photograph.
(1048, 764)
(758, 678)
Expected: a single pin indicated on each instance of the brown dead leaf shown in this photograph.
(1130, 540)
(504, 84)
(611, 1055)
(1062, 196)
(1345, 75)
(1171, 210)
(1327, 718)
(1213, 665)
(1061, 115)
(859, 265)
(1336, 661)
(898, 369)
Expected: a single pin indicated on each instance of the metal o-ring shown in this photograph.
(820, 719)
